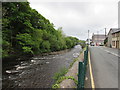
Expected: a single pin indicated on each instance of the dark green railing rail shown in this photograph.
(82, 70)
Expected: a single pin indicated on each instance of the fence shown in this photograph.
(82, 70)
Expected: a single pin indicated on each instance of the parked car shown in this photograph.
(92, 44)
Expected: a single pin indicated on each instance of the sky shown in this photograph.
(76, 17)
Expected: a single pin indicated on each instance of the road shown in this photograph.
(104, 63)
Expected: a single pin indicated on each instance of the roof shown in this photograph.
(99, 35)
(114, 30)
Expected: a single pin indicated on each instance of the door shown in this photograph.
(117, 44)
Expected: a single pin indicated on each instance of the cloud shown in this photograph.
(77, 18)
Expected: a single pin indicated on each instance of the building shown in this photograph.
(113, 38)
(109, 37)
(98, 39)
(106, 41)
(116, 39)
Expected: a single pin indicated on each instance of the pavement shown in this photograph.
(88, 78)
(104, 63)
(73, 71)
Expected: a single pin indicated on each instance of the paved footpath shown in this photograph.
(104, 63)
(73, 71)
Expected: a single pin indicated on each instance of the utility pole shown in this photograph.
(105, 32)
(88, 37)
(98, 38)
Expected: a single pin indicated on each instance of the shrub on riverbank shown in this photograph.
(60, 76)
(26, 32)
(82, 43)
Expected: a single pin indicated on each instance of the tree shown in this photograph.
(27, 32)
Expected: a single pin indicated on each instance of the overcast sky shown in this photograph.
(78, 16)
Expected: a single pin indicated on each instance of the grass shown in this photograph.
(73, 62)
(56, 85)
(60, 76)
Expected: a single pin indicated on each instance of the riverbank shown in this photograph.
(71, 77)
(23, 57)
(38, 71)
(54, 53)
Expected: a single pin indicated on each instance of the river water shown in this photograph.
(36, 72)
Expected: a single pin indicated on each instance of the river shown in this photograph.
(36, 72)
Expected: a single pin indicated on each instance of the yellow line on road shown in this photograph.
(91, 74)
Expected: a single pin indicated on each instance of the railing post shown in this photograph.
(82, 70)
(81, 76)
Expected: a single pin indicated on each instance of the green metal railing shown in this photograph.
(82, 70)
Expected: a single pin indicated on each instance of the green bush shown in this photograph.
(26, 31)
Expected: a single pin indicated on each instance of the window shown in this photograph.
(117, 34)
(113, 43)
(113, 35)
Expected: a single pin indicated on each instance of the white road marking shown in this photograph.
(110, 52)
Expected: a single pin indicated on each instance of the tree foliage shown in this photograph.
(25, 31)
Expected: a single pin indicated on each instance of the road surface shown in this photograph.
(104, 63)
